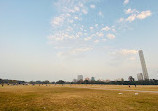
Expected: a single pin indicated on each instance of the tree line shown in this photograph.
(150, 82)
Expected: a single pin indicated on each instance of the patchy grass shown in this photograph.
(63, 98)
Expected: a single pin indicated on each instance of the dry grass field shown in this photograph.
(69, 98)
(126, 87)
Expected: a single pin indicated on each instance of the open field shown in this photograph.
(125, 87)
(77, 98)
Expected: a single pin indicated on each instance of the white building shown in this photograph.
(74, 80)
(80, 77)
(140, 76)
(92, 79)
(144, 69)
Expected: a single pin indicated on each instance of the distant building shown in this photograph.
(74, 80)
(92, 79)
(119, 79)
(130, 78)
(87, 78)
(140, 76)
(144, 69)
(80, 78)
(107, 80)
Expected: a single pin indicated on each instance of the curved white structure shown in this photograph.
(144, 69)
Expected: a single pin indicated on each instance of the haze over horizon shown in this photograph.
(60, 39)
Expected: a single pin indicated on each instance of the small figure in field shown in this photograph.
(129, 86)
(2, 84)
(135, 85)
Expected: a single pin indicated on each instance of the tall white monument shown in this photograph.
(144, 69)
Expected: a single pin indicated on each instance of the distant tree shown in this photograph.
(131, 78)
(60, 82)
(46, 82)
(32, 82)
(86, 82)
(0, 81)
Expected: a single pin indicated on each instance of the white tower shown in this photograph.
(144, 69)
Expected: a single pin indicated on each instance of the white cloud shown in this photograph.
(57, 20)
(69, 29)
(113, 30)
(91, 28)
(87, 38)
(129, 11)
(71, 11)
(76, 18)
(126, 2)
(131, 18)
(100, 34)
(78, 34)
(70, 21)
(105, 28)
(110, 36)
(121, 20)
(77, 9)
(92, 6)
(56, 37)
(85, 11)
(60, 36)
(80, 4)
(128, 52)
(144, 14)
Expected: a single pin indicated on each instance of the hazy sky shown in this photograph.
(60, 39)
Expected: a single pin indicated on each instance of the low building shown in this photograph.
(80, 78)
(74, 80)
(92, 79)
(140, 77)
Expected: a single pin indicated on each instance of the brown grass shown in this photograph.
(132, 87)
(64, 98)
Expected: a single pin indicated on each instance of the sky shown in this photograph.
(60, 39)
